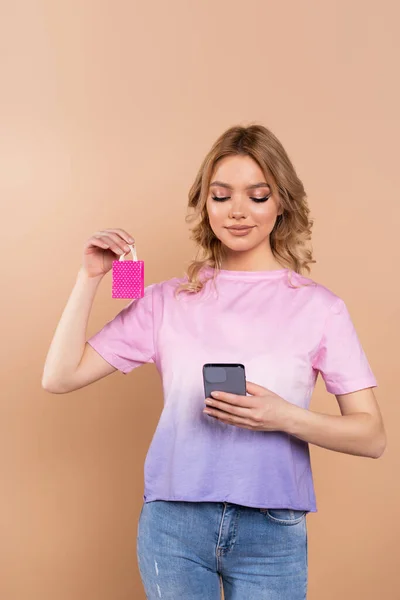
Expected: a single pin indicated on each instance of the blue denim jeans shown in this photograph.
(190, 550)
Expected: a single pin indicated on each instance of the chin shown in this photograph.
(238, 245)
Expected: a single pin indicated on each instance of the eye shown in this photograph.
(264, 199)
(221, 198)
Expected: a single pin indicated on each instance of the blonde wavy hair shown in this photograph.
(292, 229)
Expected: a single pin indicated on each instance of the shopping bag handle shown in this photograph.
(133, 250)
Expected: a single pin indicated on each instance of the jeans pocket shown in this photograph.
(284, 516)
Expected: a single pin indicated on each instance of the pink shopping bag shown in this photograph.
(128, 276)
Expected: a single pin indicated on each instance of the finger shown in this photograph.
(113, 239)
(231, 419)
(113, 243)
(124, 234)
(237, 399)
(227, 408)
(256, 390)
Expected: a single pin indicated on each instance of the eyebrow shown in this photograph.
(249, 187)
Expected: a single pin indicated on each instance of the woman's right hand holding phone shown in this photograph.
(102, 248)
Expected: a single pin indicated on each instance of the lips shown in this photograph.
(240, 228)
(240, 231)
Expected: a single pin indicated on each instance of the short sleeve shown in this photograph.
(127, 341)
(340, 358)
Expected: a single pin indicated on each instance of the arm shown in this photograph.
(71, 363)
(359, 430)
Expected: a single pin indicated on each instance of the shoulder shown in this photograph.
(165, 288)
(320, 296)
(155, 296)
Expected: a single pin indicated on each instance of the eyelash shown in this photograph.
(264, 199)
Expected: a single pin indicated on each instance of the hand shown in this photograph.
(262, 411)
(102, 248)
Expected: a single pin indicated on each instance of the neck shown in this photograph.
(250, 261)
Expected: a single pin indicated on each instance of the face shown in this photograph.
(239, 196)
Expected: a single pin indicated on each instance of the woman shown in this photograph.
(228, 481)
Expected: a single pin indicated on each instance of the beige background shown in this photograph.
(107, 109)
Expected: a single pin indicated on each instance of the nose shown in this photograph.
(237, 210)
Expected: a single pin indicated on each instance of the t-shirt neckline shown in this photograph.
(245, 275)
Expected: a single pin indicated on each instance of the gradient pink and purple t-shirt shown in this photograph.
(283, 335)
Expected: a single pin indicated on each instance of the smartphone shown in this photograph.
(225, 377)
